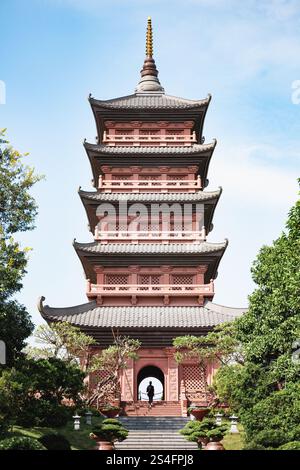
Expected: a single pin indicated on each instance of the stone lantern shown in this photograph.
(76, 422)
(219, 417)
(233, 425)
(88, 417)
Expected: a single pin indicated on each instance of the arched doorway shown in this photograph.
(156, 375)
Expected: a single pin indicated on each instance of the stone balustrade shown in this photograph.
(157, 139)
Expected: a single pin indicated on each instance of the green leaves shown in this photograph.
(265, 389)
(17, 213)
(17, 207)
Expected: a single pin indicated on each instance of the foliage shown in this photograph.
(53, 379)
(279, 413)
(108, 407)
(110, 430)
(112, 361)
(254, 446)
(264, 389)
(15, 327)
(220, 344)
(55, 441)
(197, 407)
(207, 428)
(32, 393)
(3, 426)
(21, 443)
(17, 213)
(294, 445)
(79, 439)
(216, 434)
(61, 340)
(39, 412)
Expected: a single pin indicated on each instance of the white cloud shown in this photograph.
(250, 180)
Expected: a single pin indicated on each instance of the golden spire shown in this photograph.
(149, 39)
(149, 82)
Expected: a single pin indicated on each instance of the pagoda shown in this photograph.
(150, 270)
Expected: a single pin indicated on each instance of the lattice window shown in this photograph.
(182, 279)
(121, 227)
(149, 177)
(124, 132)
(152, 279)
(153, 227)
(174, 132)
(116, 279)
(148, 132)
(177, 177)
(121, 177)
(194, 378)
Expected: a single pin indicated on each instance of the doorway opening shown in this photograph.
(156, 376)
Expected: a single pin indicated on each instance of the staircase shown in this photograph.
(159, 408)
(154, 433)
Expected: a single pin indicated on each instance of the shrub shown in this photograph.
(83, 409)
(193, 430)
(110, 430)
(279, 412)
(3, 427)
(215, 435)
(254, 446)
(109, 407)
(55, 441)
(294, 445)
(271, 438)
(21, 443)
(39, 412)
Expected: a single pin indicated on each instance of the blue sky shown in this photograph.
(246, 54)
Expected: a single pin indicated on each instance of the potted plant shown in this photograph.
(108, 432)
(110, 411)
(196, 431)
(199, 411)
(202, 439)
(206, 433)
(215, 436)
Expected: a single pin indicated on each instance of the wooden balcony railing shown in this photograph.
(149, 235)
(150, 290)
(157, 139)
(157, 185)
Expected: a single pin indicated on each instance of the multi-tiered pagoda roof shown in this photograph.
(148, 134)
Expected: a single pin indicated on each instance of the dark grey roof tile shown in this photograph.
(89, 315)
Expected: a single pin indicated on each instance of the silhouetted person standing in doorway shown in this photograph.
(150, 393)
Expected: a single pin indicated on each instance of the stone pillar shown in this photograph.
(172, 385)
(128, 391)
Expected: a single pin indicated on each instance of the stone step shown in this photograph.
(159, 408)
(154, 433)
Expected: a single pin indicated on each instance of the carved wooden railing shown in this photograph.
(149, 235)
(137, 185)
(148, 289)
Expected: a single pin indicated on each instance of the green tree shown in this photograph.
(17, 214)
(268, 333)
(111, 361)
(62, 340)
(34, 390)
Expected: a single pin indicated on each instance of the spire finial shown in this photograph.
(149, 39)
(149, 82)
